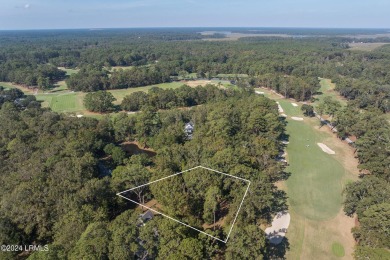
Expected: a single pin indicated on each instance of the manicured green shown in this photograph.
(338, 249)
(64, 102)
(315, 185)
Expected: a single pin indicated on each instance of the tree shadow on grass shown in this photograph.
(278, 251)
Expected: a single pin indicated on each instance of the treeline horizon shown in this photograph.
(289, 66)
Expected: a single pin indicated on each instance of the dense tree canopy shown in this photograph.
(100, 101)
(57, 165)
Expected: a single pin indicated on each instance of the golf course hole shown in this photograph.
(338, 249)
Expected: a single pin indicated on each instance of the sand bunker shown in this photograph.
(294, 104)
(283, 115)
(259, 92)
(326, 149)
(297, 118)
(280, 108)
(278, 230)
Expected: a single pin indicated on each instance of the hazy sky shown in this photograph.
(49, 14)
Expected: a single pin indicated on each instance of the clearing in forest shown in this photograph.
(200, 198)
(328, 90)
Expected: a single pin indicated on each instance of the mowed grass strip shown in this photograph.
(315, 184)
(338, 249)
(68, 102)
(328, 90)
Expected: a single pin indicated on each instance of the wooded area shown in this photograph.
(55, 192)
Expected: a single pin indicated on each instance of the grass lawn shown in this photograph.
(9, 85)
(338, 249)
(315, 187)
(232, 75)
(327, 90)
(69, 71)
(66, 101)
(60, 99)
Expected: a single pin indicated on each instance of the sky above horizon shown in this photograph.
(69, 14)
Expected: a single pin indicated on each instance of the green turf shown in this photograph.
(327, 90)
(338, 249)
(289, 109)
(60, 99)
(65, 102)
(8, 84)
(315, 185)
(314, 188)
(69, 71)
(232, 75)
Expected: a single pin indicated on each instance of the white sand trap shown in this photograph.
(297, 118)
(259, 92)
(278, 230)
(283, 115)
(280, 108)
(326, 149)
(294, 104)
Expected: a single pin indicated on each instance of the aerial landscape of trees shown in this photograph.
(59, 174)
(81, 208)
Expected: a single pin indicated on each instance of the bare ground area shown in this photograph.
(195, 83)
(315, 238)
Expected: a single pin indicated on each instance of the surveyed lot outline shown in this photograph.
(178, 221)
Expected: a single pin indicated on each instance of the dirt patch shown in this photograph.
(297, 118)
(153, 204)
(220, 223)
(134, 148)
(195, 83)
(325, 148)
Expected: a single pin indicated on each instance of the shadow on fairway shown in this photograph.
(278, 251)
